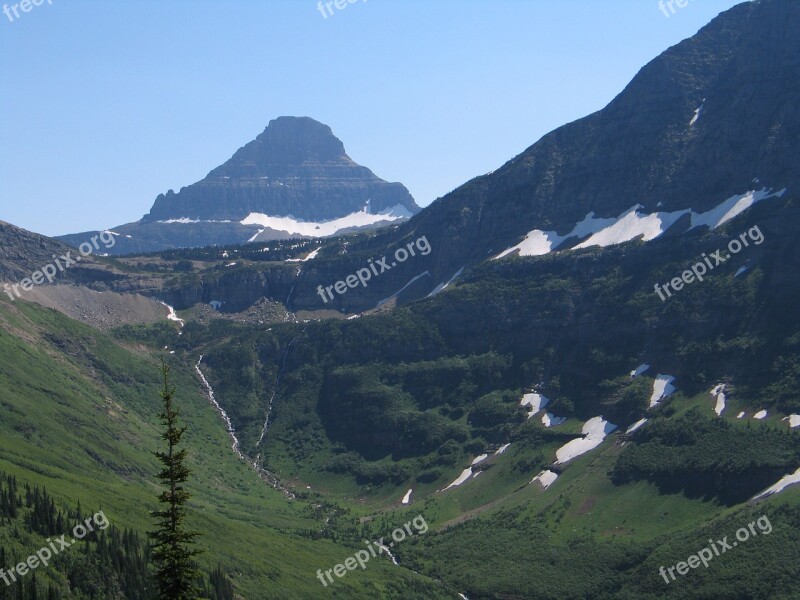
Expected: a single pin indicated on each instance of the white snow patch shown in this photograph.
(294, 226)
(595, 429)
(639, 370)
(400, 291)
(696, 115)
(534, 402)
(465, 474)
(662, 387)
(632, 225)
(502, 449)
(311, 256)
(719, 393)
(762, 414)
(546, 478)
(407, 498)
(255, 237)
(539, 243)
(636, 425)
(740, 415)
(794, 421)
(183, 221)
(550, 420)
(732, 207)
(443, 286)
(536, 243)
(784, 483)
(397, 211)
(172, 316)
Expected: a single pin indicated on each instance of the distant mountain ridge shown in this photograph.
(294, 180)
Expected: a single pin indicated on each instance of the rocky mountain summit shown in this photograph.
(294, 180)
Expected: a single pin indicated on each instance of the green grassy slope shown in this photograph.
(80, 417)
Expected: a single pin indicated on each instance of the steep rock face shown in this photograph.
(295, 167)
(713, 117)
(23, 253)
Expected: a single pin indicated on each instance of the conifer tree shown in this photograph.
(172, 543)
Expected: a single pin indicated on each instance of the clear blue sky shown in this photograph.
(107, 103)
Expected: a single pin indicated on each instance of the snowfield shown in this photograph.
(719, 393)
(294, 226)
(662, 388)
(535, 402)
(546, 478)
(443, 286)
(636, 425)
(784, 483)
(633, 224)
(467, 473)
(550, 420)
(595, 429)
(502, 449)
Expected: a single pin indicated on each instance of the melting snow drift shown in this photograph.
(595, 429)
(636, 425)
(633, 224)
(546, 478)
(534, 402)
(785, 482)
(502, 449)
(443, 286)
(172, 316)
(662, 387)
(719, 393)
(550, 420)
(327, 228)
(467, 473)
(311, 256)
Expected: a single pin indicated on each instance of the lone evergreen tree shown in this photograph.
(175, 574)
